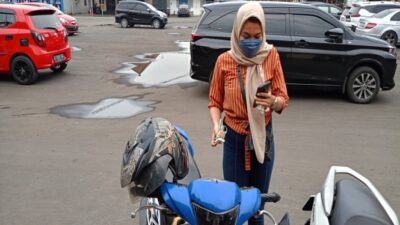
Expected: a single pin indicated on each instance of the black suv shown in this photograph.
(315, 48)
(129, 13)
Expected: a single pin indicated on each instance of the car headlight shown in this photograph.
(63, 21)
(206, 217)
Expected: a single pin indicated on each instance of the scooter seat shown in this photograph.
(355, 204)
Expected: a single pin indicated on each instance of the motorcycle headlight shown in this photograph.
(206, 217)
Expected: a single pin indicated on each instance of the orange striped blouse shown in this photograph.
(225, 91)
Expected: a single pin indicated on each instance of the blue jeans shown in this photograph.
(234, 166)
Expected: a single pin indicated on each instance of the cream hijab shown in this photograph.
(255, 73)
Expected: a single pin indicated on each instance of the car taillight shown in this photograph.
(38, 38)
(356, 14)
(370, 25)
(196, 37)
(65, 35)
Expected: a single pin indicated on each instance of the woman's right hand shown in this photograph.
(216, 133)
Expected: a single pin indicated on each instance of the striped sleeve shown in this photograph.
(216, 94)
(278, 81)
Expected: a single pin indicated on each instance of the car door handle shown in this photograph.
(9, 37)
(301, 43)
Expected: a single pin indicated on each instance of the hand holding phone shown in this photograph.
(262, 88)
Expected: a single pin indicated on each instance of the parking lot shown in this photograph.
(62, 138)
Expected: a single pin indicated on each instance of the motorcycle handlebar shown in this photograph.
(270, 197)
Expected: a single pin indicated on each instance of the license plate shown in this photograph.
(59, 58)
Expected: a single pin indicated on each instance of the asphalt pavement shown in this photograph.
(62, 138)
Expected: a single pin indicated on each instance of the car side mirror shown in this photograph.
(335, 35)
(148, 10)
(340, 13)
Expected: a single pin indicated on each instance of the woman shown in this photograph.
(255, 62)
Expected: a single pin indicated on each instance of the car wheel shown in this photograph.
(156, 24)
(363, 85)
(390, 37)
(124, 23)
(23, 71)
(59, 68)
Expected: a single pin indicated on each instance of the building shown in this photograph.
(67, 6)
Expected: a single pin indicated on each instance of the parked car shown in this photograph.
(183, 10)
(361, 10)
(384, 25)
(129, 13)
(69, 22)
(332, 9)
(31, 39)
(315, 49)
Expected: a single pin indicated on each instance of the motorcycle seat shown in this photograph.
(355, 204)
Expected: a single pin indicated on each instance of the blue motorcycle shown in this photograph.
(158, 169)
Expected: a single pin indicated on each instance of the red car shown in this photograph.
(31, 39)
(69, 22)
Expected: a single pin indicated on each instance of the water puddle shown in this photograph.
(158, 69)
(110, 108)
(76, 49)
(182, 27)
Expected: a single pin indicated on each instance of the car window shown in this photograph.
(353, 10)
(382, 14)
(6, 20)
(364, 12)
(335, 10)
(141, 8)
(45, 21)
(123, 5)
(275, 24)
(224, 23)
(132, 6)
(324, 8)
(310, 26)
(370, 8)
(396, 17)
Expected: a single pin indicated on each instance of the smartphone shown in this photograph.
(264, 87)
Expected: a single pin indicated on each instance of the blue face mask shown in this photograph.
(250, 47)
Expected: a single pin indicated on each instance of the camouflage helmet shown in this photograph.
(154, 148)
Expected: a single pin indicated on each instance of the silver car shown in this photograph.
(384, 25)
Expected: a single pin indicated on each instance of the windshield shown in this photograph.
(383, 13)
(58, 12)
(151, 7)
(45, 21)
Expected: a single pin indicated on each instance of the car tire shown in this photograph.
(363, 85)
(156, 23)
(23, 71)
(390, 37)
(59, 68)
(124, 23)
